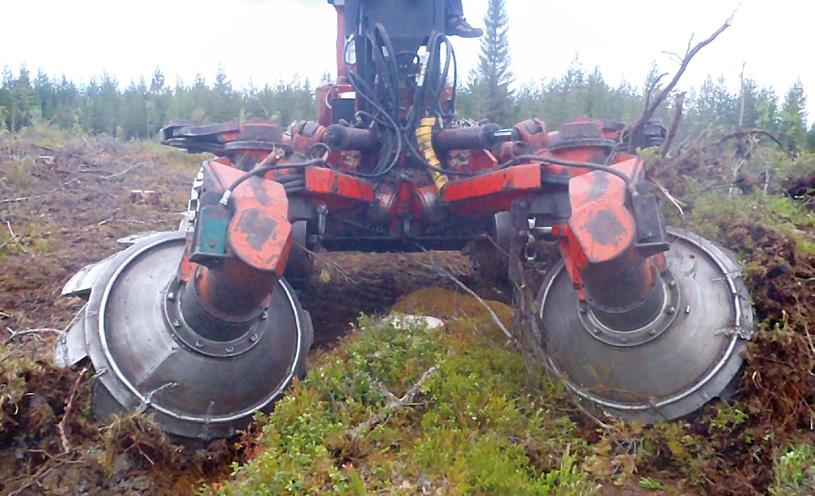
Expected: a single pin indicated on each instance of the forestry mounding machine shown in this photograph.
(202, 327)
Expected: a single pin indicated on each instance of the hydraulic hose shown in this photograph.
(424, 137)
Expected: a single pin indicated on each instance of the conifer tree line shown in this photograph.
(140, 109)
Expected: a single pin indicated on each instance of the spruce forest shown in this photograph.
(137, 110)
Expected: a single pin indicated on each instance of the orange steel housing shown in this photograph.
(258, 240)
(601, 229)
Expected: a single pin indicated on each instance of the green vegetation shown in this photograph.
(15, 368)
(652, 484)
(726, 419)
(784, 214)
(489, 88)
(139, 109)
(476, 426)
(32, 238)
(794, 472)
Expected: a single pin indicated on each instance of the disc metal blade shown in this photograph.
(142, 364)
(673, 374)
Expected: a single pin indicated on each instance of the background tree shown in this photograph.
(19, 102)
(140, 108)
(794, 118)
(489, 87)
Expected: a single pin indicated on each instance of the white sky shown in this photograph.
(262, 41)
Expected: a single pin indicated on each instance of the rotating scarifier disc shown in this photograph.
(146, 360)
(669, 368)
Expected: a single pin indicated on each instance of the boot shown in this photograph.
(458, 26)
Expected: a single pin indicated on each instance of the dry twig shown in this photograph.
(393, 405)
(109, 219)
(36, 332)
(752, 132)
(66, 446)
(22, 198)
(39, 195)
(652, 105)
(334, 265)
(122, 173)
(472, 293)
(12, 238)
(676, 120)
(54, 461)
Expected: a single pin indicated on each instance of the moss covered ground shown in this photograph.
(478, 425)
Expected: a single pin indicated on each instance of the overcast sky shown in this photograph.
(262, 41)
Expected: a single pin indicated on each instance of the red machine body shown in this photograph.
(203, 327)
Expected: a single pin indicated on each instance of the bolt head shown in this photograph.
(171, 296)
(253, 338)
(671, 311)
(176, 323)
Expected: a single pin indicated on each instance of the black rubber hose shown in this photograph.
(567, 163)
(263, 170)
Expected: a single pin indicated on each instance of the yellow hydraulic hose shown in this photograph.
(424, 137)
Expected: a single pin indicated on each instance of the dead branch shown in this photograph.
(742, 106)
(652, 105)
(810, 341)
(12, 238)
(15, 334)
(472, 293)
(122, 173)
(497, 246)
(677, 58)
(649, 92)
(22, 198)
(365, 427)
(39, 195)
(66, 446)
(676, 120)
(752, 132)
(28, 480)
(672, 199)
(334, 265)
(109, 219)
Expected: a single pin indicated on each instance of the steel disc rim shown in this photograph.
(726, 358)
(146, 400)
